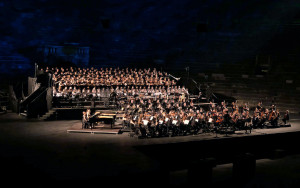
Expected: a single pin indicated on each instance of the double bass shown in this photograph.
(272, 115)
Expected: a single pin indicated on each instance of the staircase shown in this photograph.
(24, 105)
(49, 115)
(32, 96)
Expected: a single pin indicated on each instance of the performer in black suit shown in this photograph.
(286, 117)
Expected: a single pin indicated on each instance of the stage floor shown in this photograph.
(17, 125)
(48, 151)
(105, 129)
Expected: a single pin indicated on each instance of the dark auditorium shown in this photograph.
(194, 93)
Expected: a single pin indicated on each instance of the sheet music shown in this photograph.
(145, 122)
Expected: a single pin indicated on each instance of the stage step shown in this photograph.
(48, 115)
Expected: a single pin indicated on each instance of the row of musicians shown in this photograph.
(175, 120)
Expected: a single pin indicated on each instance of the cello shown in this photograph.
(272, 116)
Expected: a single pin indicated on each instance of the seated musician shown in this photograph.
(256, 111)
(272, 108)
(167, 121)
(259, 106)
(245, 107)
(266, 114)
(126, 120)
(175, 121)
(286, 117)
(255, 119)
(273, 117)
(226, 118)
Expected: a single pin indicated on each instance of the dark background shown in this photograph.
(220, 36)
(234, 38)
(167, 34)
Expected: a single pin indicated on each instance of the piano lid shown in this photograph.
(104, 117)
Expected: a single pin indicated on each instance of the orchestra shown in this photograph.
(150, 117)
(155, 119)
(154, 105)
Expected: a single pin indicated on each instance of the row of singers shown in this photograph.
(76, 76)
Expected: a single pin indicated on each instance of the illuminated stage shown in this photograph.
(50, 151)
(118, 130)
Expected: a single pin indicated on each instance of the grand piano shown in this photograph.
(102, 117)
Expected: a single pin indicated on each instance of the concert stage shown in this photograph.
(103, 128)
(52, 151)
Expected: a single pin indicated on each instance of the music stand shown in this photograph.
(208, 124)
(226, 122)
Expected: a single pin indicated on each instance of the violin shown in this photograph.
(219, 119)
